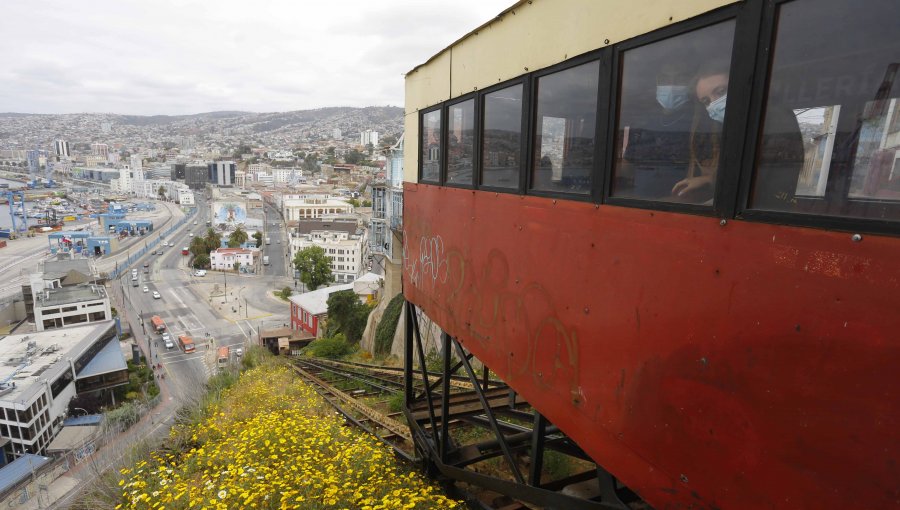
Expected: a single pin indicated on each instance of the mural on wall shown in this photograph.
(231, 213)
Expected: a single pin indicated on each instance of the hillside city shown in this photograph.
(160, 250)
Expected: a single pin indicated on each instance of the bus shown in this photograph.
(186, 343)
(700, 293)
(222, 357)
(158, 324)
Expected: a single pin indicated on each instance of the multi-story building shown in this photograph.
(368, 136)
(185, 196)
(336, 134)
(286, 175)
(41, 374)
(100, 149)
(313, 206)
(343, 242)
(196, 176)
(178, 171)
(70, 305)
(386, 225)
(61, 149)
(221, 173)
(223, 259)
(310, 308)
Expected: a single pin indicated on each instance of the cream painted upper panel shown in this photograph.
(537, 35)
(428, 85)
(411, 147)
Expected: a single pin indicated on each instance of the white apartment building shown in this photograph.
(313, 207)
(185, 196)
(256, 168)
(65, 306)
(368, 136)
(286, 175)
(265, 178)
(223, 259)
(342, 241)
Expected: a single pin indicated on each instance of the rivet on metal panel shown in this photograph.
(670, 18)
(526, 68)
(517, 280)
(520, 227)
(704, 361)
(540, 374)
(587, 310)
(856, 238)
(606, 41)
(473, 218)
(684, 479)
(796, 327)
(723, 222)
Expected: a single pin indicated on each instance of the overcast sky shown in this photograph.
(170, 57)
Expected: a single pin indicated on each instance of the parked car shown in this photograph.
(200, 272)
(156, 295)
(146, 288)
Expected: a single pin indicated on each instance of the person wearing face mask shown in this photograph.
(656, 149)
(780, 155)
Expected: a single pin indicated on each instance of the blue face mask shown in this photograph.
(716, 109)
(671, 97)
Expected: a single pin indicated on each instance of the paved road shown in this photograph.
(278, 248)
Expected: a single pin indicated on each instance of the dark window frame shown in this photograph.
(520, 189)
(422, 113)
(726, 171)
(532, 99)
(445, 139)
(757, 98)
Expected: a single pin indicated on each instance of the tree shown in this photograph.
(314, 267)
(258, 236)
(237, 238)
(213, 240)
(201, 261)
(198, 247)
(353, 157)
(161, 192)
(237, 267)
(347, 315)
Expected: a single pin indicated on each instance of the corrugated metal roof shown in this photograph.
(109, 359)
(19, 470)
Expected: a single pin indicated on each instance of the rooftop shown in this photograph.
(19, 470)
(316, 302)
(73, 294)
(308, 226)
(54, 269)
(30, 358)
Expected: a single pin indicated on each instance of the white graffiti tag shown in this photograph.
(430, 264)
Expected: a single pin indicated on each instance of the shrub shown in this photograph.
(333, 348)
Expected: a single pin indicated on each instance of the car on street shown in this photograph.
(146, 288)
(200, 272)
(156, 295)
(167, 341)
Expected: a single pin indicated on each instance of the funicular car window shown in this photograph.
(431, 146)
(502, 138)
(460, 142)
(564, 132)
(671, 109)
(830, 137)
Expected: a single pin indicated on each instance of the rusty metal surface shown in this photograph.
(706, 366)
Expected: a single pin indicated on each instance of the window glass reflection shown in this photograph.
(431, 146)
(830, 139)
(564, 131)
(502, 138)
(671, 110)
(460, 142)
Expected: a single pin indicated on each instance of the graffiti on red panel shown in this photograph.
(514, 323)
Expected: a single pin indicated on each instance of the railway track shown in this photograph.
(360, 393)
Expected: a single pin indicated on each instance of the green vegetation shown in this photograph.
(395, 403)
(237, 238)
(314, 267)
(347, 315)
(284, 293)
(259, 238)
(201, 261)
(387, 327)
(334, 347)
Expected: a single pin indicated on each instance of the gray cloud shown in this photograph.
(188, 56)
